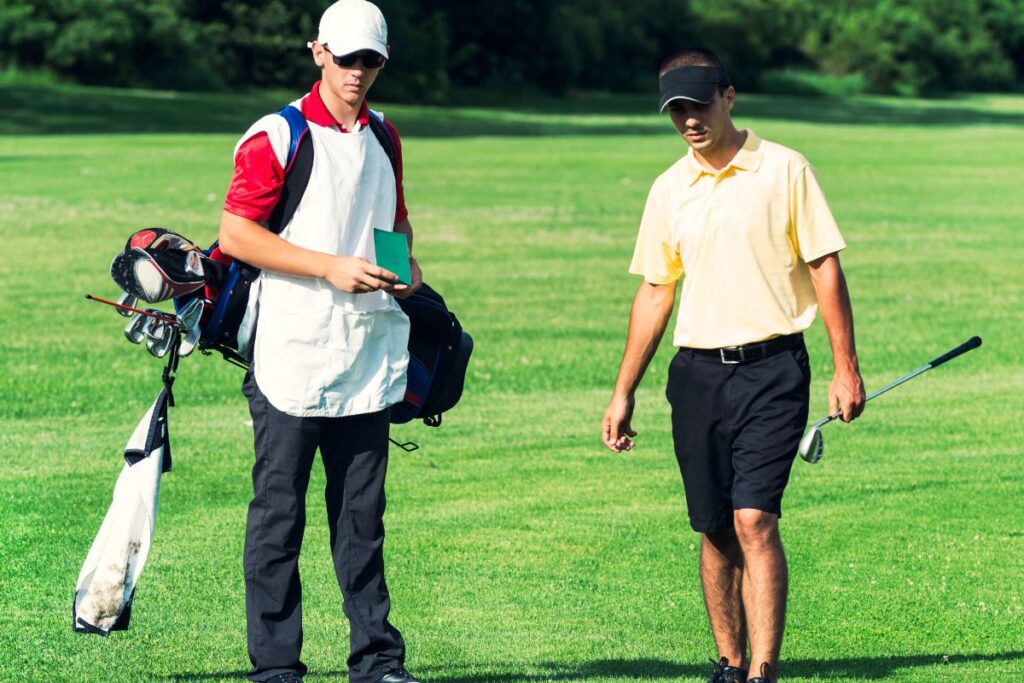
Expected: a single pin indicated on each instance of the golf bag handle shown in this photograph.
(972, 343)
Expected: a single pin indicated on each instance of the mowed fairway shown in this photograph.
(519, 548)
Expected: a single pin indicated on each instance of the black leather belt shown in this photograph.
(732, 355)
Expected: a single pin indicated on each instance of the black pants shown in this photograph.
(355, 456)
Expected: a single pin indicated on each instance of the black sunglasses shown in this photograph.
(369, 58)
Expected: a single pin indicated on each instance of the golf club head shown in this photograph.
(159, 337)
(153, 328)
(134, 331)
(127, 300)
(161, 348)
(190, 319)
(812, 446)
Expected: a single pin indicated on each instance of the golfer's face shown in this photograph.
(702, 125)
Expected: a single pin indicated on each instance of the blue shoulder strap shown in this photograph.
(298, 167)
(296, 126)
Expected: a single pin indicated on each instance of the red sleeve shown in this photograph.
(257, 181)
(401, 212)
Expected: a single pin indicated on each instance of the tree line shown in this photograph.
(892, 46)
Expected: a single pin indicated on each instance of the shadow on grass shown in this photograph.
(35, 109)
(233, 676)
(854, 668)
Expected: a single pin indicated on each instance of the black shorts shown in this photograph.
(736, 430)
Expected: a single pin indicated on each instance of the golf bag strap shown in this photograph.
(383, 135)
(297, 169)
(171, 368)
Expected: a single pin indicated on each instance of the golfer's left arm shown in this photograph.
(405, 227)
(846, 393)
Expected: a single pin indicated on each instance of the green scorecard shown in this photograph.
(393, 253)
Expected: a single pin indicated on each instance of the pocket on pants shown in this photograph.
(801, 361)
(676, 368)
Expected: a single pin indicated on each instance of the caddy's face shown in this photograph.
(348, 84)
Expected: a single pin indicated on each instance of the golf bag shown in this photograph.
(439, 351)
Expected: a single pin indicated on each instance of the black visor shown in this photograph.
(695, 83)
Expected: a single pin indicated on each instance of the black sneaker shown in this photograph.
(724, 673)
(399, 676)
(287, 677)
(767, 676)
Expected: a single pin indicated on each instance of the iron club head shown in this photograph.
(127, 300)
(159, 337)
(812, 445)
(134, 331)
(189, 319)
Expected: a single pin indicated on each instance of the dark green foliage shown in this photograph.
(523, 46)
(918, 46)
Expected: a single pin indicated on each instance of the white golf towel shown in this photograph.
(107, 581)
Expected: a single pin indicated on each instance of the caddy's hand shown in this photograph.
(616, 431)
(405, 291)
(846, 395)
(357, 275)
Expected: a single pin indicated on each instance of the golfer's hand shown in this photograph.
(357, 275)
(846, 395)
(615, 428)
(405, 291)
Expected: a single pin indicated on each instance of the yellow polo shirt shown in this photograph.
(740, 239)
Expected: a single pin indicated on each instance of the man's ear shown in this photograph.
(319, 53)
(730, 97)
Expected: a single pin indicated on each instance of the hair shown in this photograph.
(690, 56)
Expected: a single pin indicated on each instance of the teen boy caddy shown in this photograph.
(330, 351)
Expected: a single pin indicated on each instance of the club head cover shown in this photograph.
(155, 276)
(154, 239)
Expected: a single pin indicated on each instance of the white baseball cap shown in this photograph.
(349, 26)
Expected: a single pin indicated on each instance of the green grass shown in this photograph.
(518, 548)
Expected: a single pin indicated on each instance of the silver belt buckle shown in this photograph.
(721, 354)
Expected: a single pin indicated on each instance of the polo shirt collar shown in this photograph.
(748, 158)
(315, 111)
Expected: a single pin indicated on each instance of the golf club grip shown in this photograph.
(972, 343)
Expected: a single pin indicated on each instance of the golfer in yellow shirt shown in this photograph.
(744, 224)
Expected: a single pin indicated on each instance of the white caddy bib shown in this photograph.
(321, 352)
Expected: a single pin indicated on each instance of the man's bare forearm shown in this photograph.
(648, 318)
(248, 241)
(846, 392)
(836, 310)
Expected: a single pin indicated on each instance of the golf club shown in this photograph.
(158, 336)
(126, 303)
(812, 446)
(124, 308)
(189, 321)
(133, 331)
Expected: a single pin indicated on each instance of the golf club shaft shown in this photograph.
(169, 319)
(972, 343)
